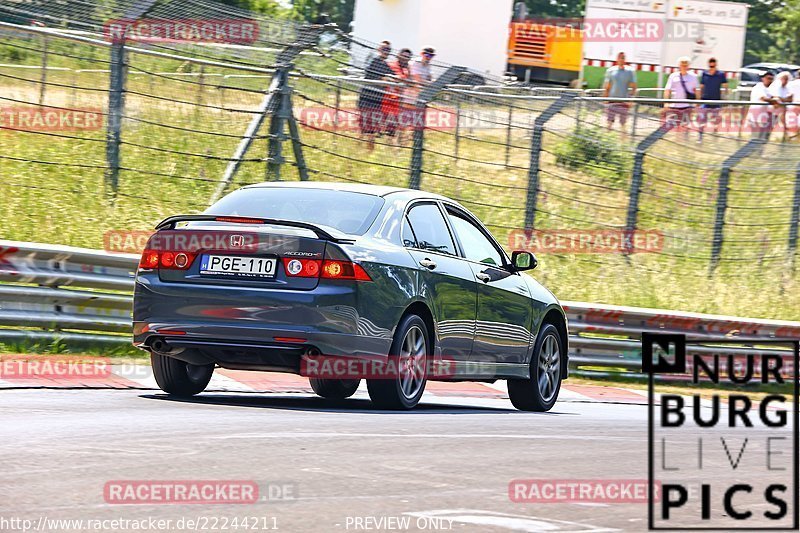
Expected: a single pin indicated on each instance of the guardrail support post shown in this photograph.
(637, 178)
(722, 197)
(536, 148)
(427, 95)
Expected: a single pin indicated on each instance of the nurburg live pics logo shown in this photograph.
(726, 457)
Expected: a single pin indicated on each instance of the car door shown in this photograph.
(504, 314)
(446, 281)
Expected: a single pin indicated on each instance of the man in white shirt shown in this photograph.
(421, 72)
(681, 85)
(793, 111)
(760, 117)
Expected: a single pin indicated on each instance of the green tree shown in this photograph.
(340, 12)
(786, 30)
(555, 8)
(271, 8)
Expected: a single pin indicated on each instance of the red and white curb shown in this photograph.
(140, 376)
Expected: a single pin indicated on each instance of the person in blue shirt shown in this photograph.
(712, 85)
(620, 82)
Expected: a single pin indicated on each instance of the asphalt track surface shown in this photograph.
(341, 466)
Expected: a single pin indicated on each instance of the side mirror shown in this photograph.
(523, 261)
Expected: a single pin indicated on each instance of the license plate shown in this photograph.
(232, 265)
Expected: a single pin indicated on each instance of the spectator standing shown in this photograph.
(421, 72)
(393, 101)
(760, 117)
(370, 98)
(620, 82)
(713, 83)
(793, 111)
(780, 90)
(421, 69)
(681, 85)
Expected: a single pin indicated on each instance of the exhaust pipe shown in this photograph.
(312, 352)
(159, 346)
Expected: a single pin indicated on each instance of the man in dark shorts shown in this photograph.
(712, 83)
(370, 99)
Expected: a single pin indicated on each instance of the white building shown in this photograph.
(471, 33)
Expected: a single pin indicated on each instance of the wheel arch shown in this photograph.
(556, 317)
(422, 310)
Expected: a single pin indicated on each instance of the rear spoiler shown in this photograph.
(323, 232)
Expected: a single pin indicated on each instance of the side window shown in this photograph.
(477, 247)
(431, 229)
(409, 241)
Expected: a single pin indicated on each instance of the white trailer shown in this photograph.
(699, 29)
(472, 33)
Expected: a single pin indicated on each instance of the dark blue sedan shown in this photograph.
(341, 283)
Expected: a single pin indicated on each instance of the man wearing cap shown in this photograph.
(421, 68)
(681, 85)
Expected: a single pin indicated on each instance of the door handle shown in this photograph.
(484, 277)
(427, 263)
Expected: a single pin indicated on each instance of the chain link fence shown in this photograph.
(650, 212)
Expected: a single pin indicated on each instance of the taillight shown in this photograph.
(344, 270)
(314, 268)
(153, 259)
(302, 268)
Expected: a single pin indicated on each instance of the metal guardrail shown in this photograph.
(76, 294)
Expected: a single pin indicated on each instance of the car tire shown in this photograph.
(334, 389)
(178, 377)
(540, 392)
(409, 354)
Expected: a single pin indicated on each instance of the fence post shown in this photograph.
(536, 148)
(43, 79)
(116, 107)
(280, 114)
(458, 128)
(116, 96)
(272, 102)
(635, 118)
(508, 133)
(722, 197)
(297, 144)
(795, 219)
(425, 97)
(636, 181)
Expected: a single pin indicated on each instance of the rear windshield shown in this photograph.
(349, 212)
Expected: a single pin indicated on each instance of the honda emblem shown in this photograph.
(237, 241)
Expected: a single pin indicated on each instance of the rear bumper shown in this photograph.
(254, 328)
